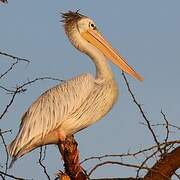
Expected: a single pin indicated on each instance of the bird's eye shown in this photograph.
(91, 25)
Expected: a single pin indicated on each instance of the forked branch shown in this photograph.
(167, 165)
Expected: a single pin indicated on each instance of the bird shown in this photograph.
(79, 102)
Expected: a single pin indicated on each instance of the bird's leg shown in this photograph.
(61, 141)
(61, 148)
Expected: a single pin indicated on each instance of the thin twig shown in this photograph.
(9, 91)
(145, 161)
(6, 149)
(8, 105)
(41, 158)
(14, 57)
(44, 153)
(177, 175)
(166, 166)
(117, 163)
(9, 69)
(131, 154)
(167, 131)
(6, 131)
(21, 88)
(12, 176)
(117, 155)
(163, 124)
(3, 178)
(142, 112)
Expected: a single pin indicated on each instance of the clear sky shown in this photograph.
(146, 33)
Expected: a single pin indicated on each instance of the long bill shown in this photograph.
(98, 41)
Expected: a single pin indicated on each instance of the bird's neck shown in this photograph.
(103, 70)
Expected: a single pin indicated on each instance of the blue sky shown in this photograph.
(146, 33)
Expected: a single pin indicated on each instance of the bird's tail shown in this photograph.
(12, 162)
(17, 150)
(13, 151)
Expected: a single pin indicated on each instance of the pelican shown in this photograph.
(79, 102)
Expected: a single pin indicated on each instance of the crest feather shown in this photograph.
(71, 17)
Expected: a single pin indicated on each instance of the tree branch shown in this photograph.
(167, 165)
(9, 69)
(142, 112)
(69, 152)
(12, 176)
(20, 89)
(6, 150)
(12, 56)
(117, 163)
(41, 158)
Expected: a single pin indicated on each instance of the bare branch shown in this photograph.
(133, 154)
(142, 113)
(145, 161)
(41, 158)
(43, 153)
(167, 131)
(13, 177)
(70, 154)
(3, 178)
(6, 150)
(21, 88)
(163, 124)
(9, 69)
(14, 57)
(177, 175)
(8, 105)
(167, 165)
(6, 131)
(116, 163)
(9, 91)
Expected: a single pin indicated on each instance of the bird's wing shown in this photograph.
(51, 108)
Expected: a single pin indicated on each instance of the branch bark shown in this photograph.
(165, 167)
(70, 154)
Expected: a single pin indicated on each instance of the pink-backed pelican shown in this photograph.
(76, 103)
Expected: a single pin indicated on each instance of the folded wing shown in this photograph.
(50, 110)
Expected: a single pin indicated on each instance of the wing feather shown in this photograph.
(51, 109)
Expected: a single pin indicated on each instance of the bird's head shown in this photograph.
(82, 30)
